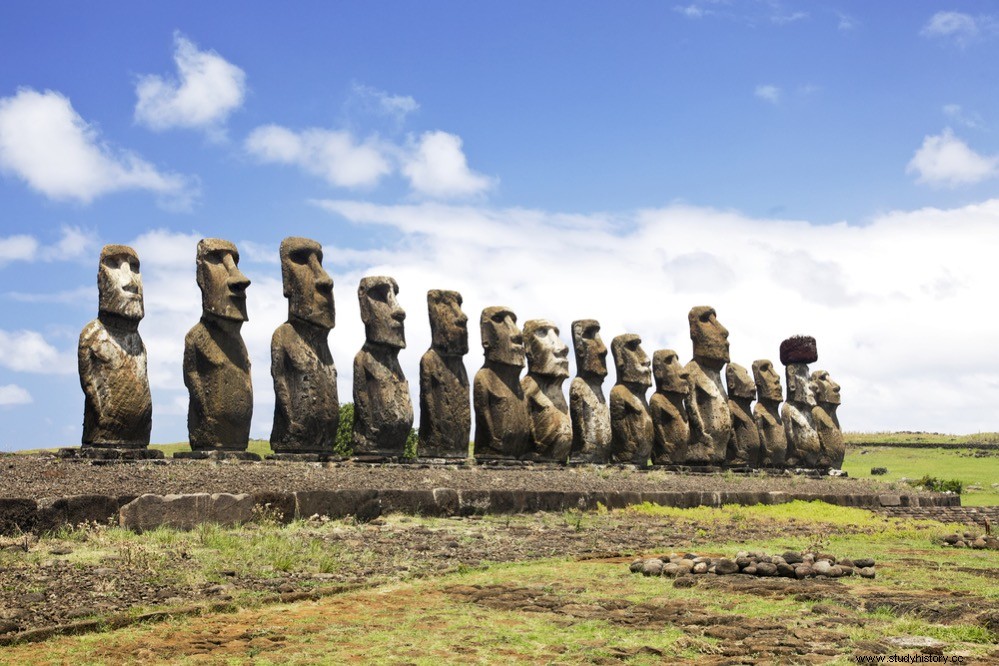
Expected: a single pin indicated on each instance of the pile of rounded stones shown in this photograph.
(788, 565)
(971, 540)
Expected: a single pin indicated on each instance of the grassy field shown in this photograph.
(980, 475)
(563, 611)
(919, 438)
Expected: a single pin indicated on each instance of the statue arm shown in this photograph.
(279, 372)
(694, 412)
(192, 378)
(87, 368)
(482, 399)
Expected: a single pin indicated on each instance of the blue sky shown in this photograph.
(822, 168)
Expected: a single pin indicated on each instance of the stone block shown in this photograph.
(506, 501)
(474, 502)
(447, 501)
(889, 500)
(334, 503)
(54, 512)
(411, 502)
(17, 515)
(282, 504)
(185, 511)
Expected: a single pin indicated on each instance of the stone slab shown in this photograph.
(186, 511)
(217, 455)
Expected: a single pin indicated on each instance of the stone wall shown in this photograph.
(187, 511)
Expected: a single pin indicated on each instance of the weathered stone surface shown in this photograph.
(502, 420)
(591, 427)
(725, 566)
(670, 422)
(278, 506)
(54, 512)
(710, 418)
(17, 515)
(652, 567)
(445, 411)
(803, 446)
(383, 412)
(826, 422)
(118, 406)
(766, 412)
(185, 511)
(216, 363)
(744, 444)
(333, 503)
(547, 368)
(632, 433)
(306, 405)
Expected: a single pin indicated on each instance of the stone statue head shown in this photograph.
(223, 285)
(119, 282)
(826, 390)
(380, 311)
(546, 353)
(448, 324)
(501, 339)
(591, 352)
(307, 286)
(767, 381)
(710, 338)
(631, 361)
(670, 376)
(739, 383)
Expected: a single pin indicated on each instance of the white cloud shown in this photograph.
(206, 91)
(962, 28)
(970, 120)
(436, 167)
(45, 143)
(846, 22)
(946, 160)
(18, 248)
(768, 93)
(27, 351)
(12, 394)
(790, 17)
(371, 100)
(333, 155)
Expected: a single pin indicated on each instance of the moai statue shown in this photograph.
(445, 414)
(216, 365)
(803, 445)
(710, 417)
(383, 411)
(773, 440)
(744, 445)
(591, 428)
(306, 408)
(547, 368)
(502, 421)
(631, 426)
(826, 421)
(118, 409)
(669, 413)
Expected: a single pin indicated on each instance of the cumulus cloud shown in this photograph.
(962, 28)
(28, 351)
(12, 394)
(434, 164)
(436, 167)
(946, 160)
(768, 93)
(333, 155)
(205, 91)
(20, 247)
(969, 119)
(45, 143)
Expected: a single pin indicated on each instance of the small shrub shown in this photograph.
(934, 484)
(344, 445)
(879, 471)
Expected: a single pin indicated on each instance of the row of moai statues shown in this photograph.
(690, 420)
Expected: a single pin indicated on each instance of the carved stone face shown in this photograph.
(799, 385)
(591, 352)
(670, 376)
(631, 361)
(223, 285)
(380, 311)
(307, 286)
(501, 339)
(739, 383)
(448, 324)
(119, 282)
(710, 338)
(767, 381)
(826, 390)
(546, 353)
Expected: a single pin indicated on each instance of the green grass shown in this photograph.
(939, 462)
(919, 438)
(427, 622)
(259, 446)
